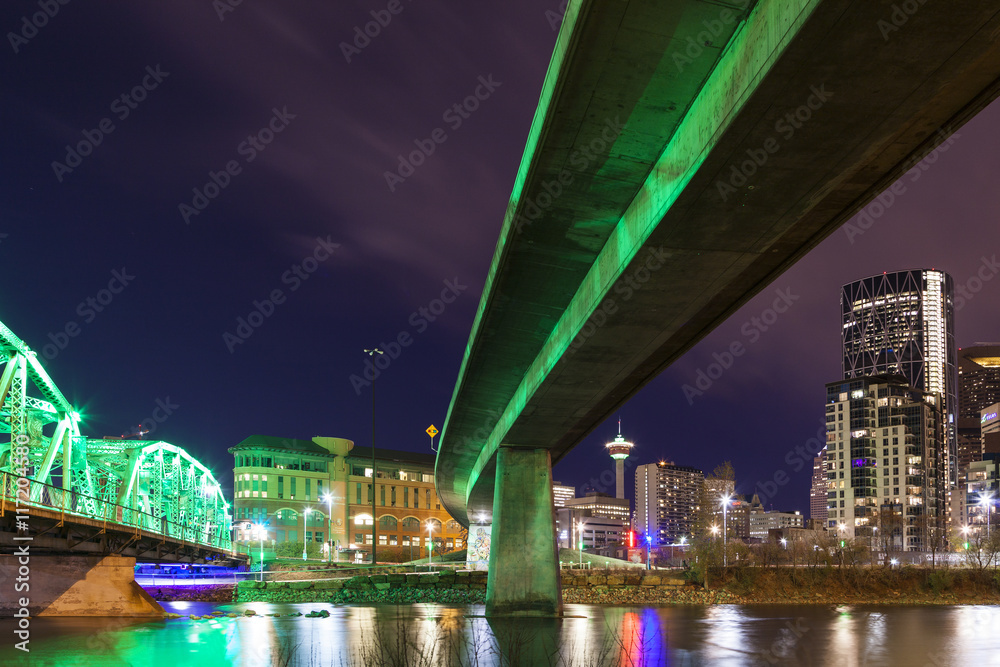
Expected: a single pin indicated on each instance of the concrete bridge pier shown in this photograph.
(73, 586)
(523, 577)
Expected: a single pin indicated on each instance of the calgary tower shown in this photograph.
(619, 449)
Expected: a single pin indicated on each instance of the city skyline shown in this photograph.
(251, 315)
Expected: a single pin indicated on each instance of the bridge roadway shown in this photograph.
(682, 156)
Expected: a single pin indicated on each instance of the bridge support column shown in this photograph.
(73, 586)
(523, 577)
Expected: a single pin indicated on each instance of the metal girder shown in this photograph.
(139, 484)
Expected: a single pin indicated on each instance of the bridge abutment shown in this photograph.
(73, 586)
(523, 577)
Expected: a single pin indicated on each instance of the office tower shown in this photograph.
(978, 378)
(903, 323)
(667, 500)
(561, 493)
(978, 388)
(885, 463)
(818, 490)
(619, 449)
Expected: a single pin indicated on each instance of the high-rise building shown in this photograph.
(619, 449)
(978, 388)
(667, 500)
(818, 490)
(320, 491)
(904, 323)
(602, 504)
(561, 493)
(978, 378)
(885, 462)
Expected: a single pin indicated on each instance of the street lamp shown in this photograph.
(305, 524)
(372, 353)
(579, 528)
(986, 502)
(649, 541)
(725, 505)
(328, 497)
(430, 544)
(261, 532)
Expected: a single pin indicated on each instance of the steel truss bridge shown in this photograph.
(144, 498)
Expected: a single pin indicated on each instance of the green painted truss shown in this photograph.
(149, 485)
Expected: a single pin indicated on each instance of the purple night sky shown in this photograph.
(214, 78)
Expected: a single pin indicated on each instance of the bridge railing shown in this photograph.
(39, 494)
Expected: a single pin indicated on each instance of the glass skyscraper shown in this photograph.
(904, 323)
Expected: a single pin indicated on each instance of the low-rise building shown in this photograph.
(321, 491)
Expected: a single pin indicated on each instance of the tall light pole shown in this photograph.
(371, 353)
(579, 527)
(305, 524)
(725, 505)
(328, 497)
(649, 541)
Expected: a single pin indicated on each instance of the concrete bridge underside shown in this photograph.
(682, 156)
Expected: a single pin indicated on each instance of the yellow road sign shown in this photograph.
(432, 430)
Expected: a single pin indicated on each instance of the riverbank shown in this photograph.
(906, 586)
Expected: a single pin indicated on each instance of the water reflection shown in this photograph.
(589, 636)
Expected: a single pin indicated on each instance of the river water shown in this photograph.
(589, 636)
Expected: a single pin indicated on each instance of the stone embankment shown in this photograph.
(614, 587)
(448, 587)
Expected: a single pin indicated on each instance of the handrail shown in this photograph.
(45, 495)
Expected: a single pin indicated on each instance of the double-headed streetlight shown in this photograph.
(305, 525)
(371, 353)
(725, 505)
(328, 498)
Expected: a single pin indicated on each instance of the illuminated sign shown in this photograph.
(988, 417)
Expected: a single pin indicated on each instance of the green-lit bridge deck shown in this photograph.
(648, 111)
